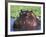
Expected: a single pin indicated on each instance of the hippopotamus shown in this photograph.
(27, 21)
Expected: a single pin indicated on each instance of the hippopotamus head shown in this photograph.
(27, 21)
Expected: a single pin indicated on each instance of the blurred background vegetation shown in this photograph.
(16, 9)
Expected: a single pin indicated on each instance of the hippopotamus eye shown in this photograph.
(24, 12)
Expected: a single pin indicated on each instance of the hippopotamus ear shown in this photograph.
(31, 11)
(21, 10)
